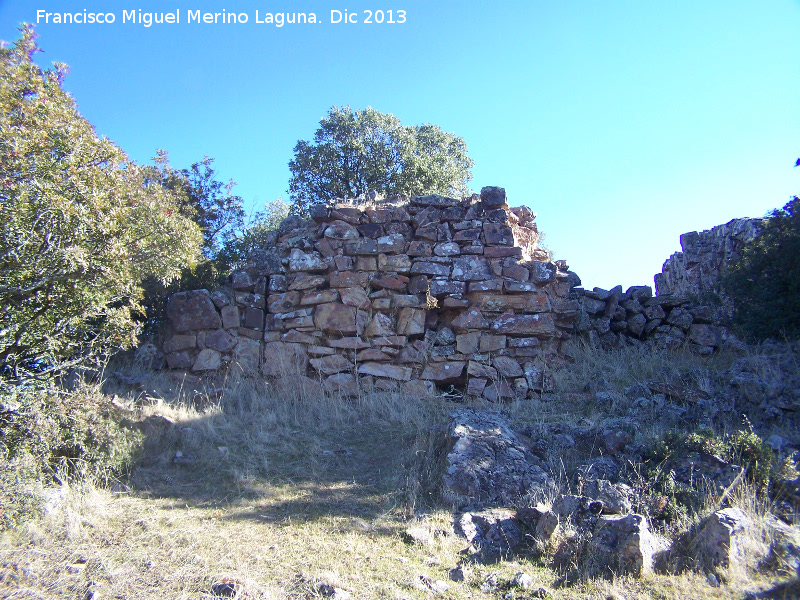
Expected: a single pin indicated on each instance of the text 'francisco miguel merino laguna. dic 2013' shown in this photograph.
(177, 16)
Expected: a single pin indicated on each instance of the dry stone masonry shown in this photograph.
(431, 291)
(696, 270)
(687, 308)
(613, 318)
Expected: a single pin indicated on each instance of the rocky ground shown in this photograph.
(647, 474)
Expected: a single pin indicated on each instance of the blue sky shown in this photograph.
(621, 123)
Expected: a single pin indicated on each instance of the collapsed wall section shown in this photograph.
(431, 291)
(689, 308)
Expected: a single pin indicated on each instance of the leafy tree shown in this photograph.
(257, 238)
(764, 284)
(368, 151)
(209, 202)
(82, 226)
(217, 211)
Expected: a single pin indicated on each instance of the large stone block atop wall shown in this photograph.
(451, 292)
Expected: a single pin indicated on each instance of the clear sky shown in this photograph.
(621, 123)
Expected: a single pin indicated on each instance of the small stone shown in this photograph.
(224, 589)
(491, 343)
(410, 321)
(397, 283)
(220, 340)
(493, 197)
(348, 343)
(498, 234)
(468, 343)
(384, 370)
(230, 317)
(419, 388)
(460, 573)
(180, 342)
(347, 279)
(341, 383)
(476, 386)
(522, 580)
(538, 324)
(447, 249)
(443, 372)
(478, 369)
(470, 319)
(507, 366)
(417, 535)
(193, 310)
(300, 261)
(472, 268)
(720, 539)
(340, 230)
(499, 390)
(355, 296)
(330, 365)
(335, 318)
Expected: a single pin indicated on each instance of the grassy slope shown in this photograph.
(291, 495)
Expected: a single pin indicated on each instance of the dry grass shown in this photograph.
(292, 494)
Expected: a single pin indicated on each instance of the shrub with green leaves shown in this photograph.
(764, 284)
(49, 434)
(83, 226)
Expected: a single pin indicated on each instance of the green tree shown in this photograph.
(764, 284)
(207, 201)
(82, 226)
(257, 239)
(368, 151)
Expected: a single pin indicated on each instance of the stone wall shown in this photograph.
(687, 308)
(696, 271)
(431, 291)
(611, 319)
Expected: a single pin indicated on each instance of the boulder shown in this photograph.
(488, 465)
(282, 358)
(341, 230)
(193, 310)
(721, 538)
(493, 533)
(300, 261)
(410, 321)
(443, 372)
(338, 318)
(330, 365)
(624, 545)
(615, 498)
(246, 354)
(538, 324)
(207, 360)
(220, 340)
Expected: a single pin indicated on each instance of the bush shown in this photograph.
(83, 226)
(50, 434)
(764, 284)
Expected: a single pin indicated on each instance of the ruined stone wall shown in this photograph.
(688, 307)
(431, 291)
(611, 319)
(696, 271)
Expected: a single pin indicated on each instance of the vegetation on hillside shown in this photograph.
(83, 226)
(157, 485)
(764, 284)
